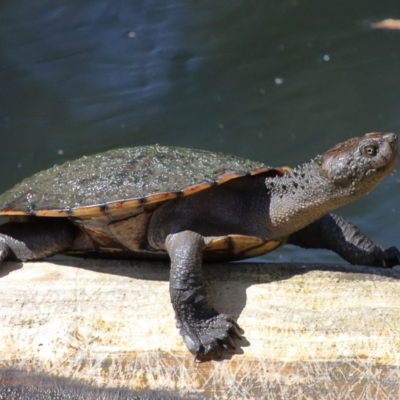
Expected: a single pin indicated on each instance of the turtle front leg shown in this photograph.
(205, 331)
(335, 233)
(35, 239)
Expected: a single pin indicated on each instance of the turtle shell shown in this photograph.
(122, 179)
(111, 196)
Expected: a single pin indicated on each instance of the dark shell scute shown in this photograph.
(119, 175)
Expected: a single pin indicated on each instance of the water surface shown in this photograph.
(277, 81)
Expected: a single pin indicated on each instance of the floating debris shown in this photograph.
(387, 24)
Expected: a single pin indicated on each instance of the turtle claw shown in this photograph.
(208, 339)
(229, 344)
(391, 257)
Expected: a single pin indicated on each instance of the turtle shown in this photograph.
(186, 205)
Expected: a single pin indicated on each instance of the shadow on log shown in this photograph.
(91, 329)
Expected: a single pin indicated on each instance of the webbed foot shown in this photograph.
(208, 339)
(391, 257)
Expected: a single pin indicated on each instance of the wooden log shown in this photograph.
(105, 329)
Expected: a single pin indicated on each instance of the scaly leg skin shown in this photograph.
(35, 239)
(205, 332)
(4, 250)
(335, 233)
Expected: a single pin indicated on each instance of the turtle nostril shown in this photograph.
(391, 137)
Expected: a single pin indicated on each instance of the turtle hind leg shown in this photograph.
(205, 332)
(36, 238)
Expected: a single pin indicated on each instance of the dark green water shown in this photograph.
(276, 81)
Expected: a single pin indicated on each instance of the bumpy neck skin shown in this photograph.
(301, 197)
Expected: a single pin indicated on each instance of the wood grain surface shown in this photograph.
(105, 329)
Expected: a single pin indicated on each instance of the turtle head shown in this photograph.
(360, 163)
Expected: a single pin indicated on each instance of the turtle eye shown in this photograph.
(370, 150)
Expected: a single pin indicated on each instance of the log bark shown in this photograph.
(105, 329)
